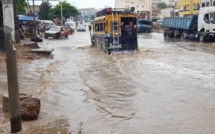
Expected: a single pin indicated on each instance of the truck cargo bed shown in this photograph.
(183, 23)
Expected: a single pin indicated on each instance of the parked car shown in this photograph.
(81, 28)
(144, 25)
(57, 32)
(71, 24)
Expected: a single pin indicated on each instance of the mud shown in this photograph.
(167, 87)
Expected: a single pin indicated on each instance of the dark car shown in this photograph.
(56, 32)
(144, 25)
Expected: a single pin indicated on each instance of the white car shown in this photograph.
(81, 28)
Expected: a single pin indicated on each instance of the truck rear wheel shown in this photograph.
(183, 36)
(164, 35)
(202, 38)
(176, 34)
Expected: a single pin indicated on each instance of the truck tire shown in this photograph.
(176, 34)
(183, 36)
(202, 38)
(165, 35)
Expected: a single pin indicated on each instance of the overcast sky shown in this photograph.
(87, 3)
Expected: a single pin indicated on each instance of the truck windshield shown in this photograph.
(145, 22)
(212, 18)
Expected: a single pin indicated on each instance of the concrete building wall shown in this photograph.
(140, 5)
(165, 12)
(87, 11)
(30, 8)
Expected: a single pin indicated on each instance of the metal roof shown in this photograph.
(27, 18)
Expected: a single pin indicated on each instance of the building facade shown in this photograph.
(165, 13)
(29, 9)
(86, 13)
(155, 11)
(140, 5)
(188, 7)
(170, 2)
(207, 3)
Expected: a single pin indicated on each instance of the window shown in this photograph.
(185, 8)
(137, 6)
(96, 27)
(203, 4)
(188, 7)
(195, 6)
(212, 18)
(114, 27)
(206, 18)
(214, 3)
(207, 4)
(102, 27)
(142, 6)
(198, 6)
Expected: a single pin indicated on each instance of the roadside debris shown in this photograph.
(30, 108)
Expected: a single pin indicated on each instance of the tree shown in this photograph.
(68, 10)
(22, 4)
(44, 10)
(162, 5)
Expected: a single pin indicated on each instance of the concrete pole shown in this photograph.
(35, 30)
(12, 76)
(61, 13)
(150, 9)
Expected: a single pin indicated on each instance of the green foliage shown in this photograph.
(68, 10)
(21, 5)
(44, 10)
(162, 5)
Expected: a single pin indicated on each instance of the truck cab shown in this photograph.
(144, 25)
(206, 23)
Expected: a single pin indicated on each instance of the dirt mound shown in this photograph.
(24, 54)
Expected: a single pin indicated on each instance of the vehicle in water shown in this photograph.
(144, 25)
(115, 30)
(71, 24)
(57, 32)
(196, 27)
(81, 28)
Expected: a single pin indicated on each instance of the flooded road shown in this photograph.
(168, 87)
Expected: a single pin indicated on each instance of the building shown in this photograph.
(140, 5)
(188, 7)
(155, 11)
(86, 14)
(207, 3)
(29, 9)
(170, 2)
(174, 3)
(87, 11)
(165, 13)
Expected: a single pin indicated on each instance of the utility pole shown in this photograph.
(35, 34)
(61, 13)
(12, 76)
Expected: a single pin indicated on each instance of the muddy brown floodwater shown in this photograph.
(166, 88)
